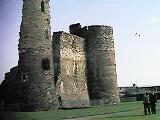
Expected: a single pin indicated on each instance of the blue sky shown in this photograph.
(137, 57)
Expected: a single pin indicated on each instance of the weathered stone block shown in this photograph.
(70, 70)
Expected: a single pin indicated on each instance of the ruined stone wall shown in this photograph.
(70, 70)
(10, 87)
(10, 91)
(101, 65)
(36, 57)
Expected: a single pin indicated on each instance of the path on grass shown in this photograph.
(109, 115)
(131, 114)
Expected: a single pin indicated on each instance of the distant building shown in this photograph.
(138, 92)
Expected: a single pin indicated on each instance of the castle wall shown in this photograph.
(10, 91)
(10, 87)
(70, 70)
(101, 65)
(35, 57)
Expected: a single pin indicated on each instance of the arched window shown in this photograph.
(45, 64)
(42, 6)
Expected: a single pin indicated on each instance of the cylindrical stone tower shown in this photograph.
(101, 65)
(36, 57)
(102, 75)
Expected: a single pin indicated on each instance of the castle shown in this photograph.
(68, 70)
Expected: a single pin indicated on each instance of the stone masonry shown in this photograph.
(70, 70)
(66, 71)
(101, 65)
(36, 57)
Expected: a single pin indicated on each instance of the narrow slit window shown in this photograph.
(42, 6)
(68, 70)
(74, 44)
(24, 77)
(45, 64)
(47, 34)
(76, 68)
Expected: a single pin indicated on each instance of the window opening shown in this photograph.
(47, 34)
(60, 100)
(76, 68)
(67, 70)
(24, 77)
(42, 6)
(73, 44)
(45, 64)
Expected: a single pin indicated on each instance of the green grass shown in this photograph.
(42, 115)
(123, 111)
(100, 110)
(129, 115)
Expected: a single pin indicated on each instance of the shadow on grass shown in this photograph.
(49, 115)
(7, 116)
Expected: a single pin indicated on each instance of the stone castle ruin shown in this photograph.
(66, 70)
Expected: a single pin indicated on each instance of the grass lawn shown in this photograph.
(123, 111)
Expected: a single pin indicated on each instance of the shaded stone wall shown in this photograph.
(36, 58)
(101, 65)
(70, 70)
(10, 91)
(10, 87)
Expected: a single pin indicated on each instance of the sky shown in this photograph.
(137, 57)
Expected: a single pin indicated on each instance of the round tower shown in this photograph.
(36, 57)
(101, 65)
